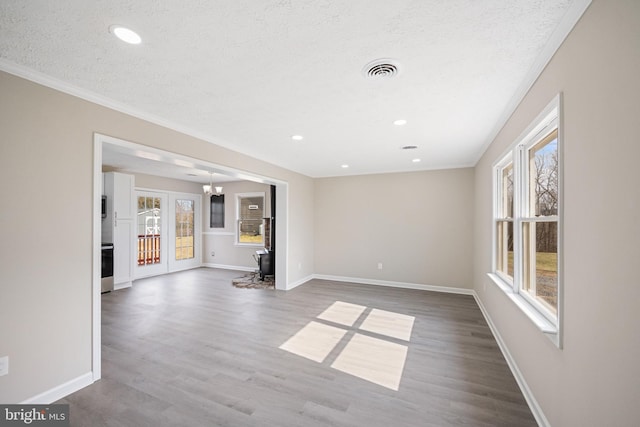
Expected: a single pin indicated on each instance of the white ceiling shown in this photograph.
(249, 74)
(159, 163)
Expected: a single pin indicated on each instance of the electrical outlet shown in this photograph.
(379, 266)
(213, 253)
(4, 365)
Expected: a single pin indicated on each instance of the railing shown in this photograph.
(148, 249)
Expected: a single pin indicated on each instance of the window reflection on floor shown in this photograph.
(371, 351)
(342, 313)
(378, 361)
(315, 341)
(387, 323)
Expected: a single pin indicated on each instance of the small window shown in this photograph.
(527, 226)
(216, 217)
(250, 228)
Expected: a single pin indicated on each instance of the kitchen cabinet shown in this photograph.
(118, 225)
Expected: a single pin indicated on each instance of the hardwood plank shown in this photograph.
(190, 349)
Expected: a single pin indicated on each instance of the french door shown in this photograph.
(151, 234)
(185, 237)
(168, 232)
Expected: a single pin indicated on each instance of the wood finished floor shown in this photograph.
(189, 349)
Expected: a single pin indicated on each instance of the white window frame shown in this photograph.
(264, 206)
(547, 121)
(196, 261)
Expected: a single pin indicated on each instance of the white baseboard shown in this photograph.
(60, 391)
(536, 410)
(123, 285)
(230, 267)
(406, 285)
(299, 282)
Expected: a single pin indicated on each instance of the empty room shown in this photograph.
(320, 213)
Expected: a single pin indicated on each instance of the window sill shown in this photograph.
(251, 245)
(538, 319)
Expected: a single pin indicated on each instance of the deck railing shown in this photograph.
(148, 249)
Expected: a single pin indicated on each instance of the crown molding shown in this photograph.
(569, 21)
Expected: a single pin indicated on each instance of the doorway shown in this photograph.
(151, 232)
(137, 151)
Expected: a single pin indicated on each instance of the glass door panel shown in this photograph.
(149, 226)
(185, 221)
(151, 234)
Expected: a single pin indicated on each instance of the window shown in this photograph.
(216, 217)
(251, 219)
(184, 229)
(149, 230)
(527, 224)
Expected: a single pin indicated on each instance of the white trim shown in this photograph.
(96, 274)
(148, 270)
(536, 410)
(551, 113)
(62, 86)
(530, 311)
(229, 267)
(61, 391)
(282, 237)
(218, 233)
(570, 19)
(282, 233)
(174, 264)
(550, 118)
(405, 285)
(238, 198)
(299, 282)
(123, 285)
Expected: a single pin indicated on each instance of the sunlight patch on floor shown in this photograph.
(315, 341)
(371, 358)
(388, 323)
(342, 313)
(378, 361)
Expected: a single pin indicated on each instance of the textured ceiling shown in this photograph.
(249, 74)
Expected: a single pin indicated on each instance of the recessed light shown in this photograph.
(125, 34)
(400, 122)
(416, 160)
(297, 137)
(344, 166)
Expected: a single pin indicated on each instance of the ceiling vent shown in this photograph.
(381, 68)
(409, 147)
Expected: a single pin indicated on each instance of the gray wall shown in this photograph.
(222, 241)
(595, 379)
(46, 261)
(418, 225)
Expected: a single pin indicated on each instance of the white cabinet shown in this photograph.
(118, 226)
(123, 253)
(118, 187)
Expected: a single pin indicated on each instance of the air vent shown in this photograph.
(381, 68)
(409, 147)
